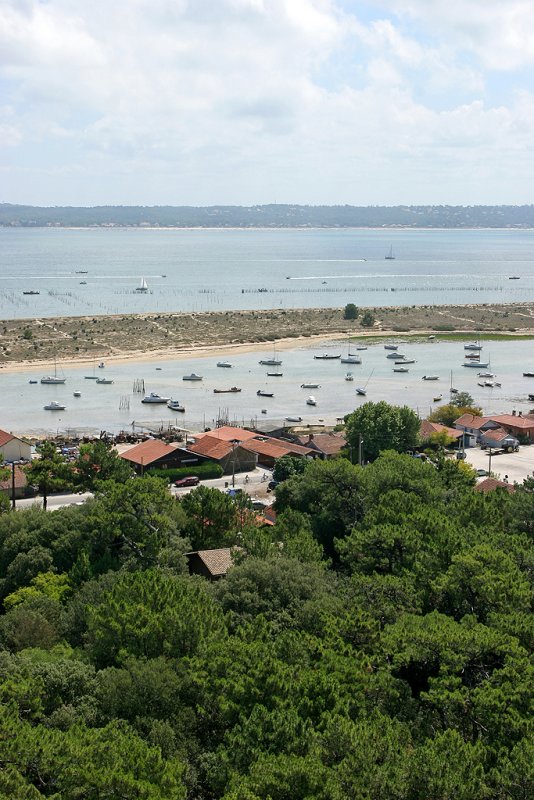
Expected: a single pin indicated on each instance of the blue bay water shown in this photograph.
(99, 407)
(96, 271)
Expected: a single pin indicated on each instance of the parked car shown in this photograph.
(272, 485)
(190, 480)
(482, 472)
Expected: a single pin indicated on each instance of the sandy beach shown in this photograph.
(79, 341)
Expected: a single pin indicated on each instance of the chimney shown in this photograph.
(520, 413)
(513, 413)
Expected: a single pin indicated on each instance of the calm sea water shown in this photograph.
(97, 271)
(116, 407)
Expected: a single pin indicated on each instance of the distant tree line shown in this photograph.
(273, 215)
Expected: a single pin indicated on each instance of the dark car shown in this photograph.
(272, 485)
(191, 480)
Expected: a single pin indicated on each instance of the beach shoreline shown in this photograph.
(30, 344)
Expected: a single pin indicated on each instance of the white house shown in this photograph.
(14, 449)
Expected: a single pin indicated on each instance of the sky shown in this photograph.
(202, 102)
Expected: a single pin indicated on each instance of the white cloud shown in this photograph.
(155, 101)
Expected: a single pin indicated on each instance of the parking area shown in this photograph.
(517, 466)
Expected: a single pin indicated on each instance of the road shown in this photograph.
(254, 483)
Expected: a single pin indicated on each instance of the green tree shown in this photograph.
(50, 472)
(382, 427)
(368, 319)
(351, 311)
(150, 614)
(286, 466)
(450, 412)
(98, 461)
(211, 518)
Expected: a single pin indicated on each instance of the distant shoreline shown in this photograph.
(393, 227)
(30, 343)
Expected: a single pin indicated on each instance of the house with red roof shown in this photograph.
(328, 445)
(157, 454)
(22, 489)
(498, 437)
(13, 448)
(231, 455)
(519, 426)
(427, 428)
(490, 484)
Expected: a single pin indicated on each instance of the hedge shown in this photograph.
(204, 471)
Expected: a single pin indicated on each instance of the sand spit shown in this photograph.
(28, 343)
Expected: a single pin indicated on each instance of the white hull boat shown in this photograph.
(155, 398)
(54, 406)
(192, 377)
(175, 405)
(311, 401)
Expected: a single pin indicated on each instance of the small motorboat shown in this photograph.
(83, 283)
(233, 390)
(431, 377)
(264, 411)
(513, 278)
(328, 356)
(275, 374)
(293, 419)
(400, 369)
(175, 405)
(361, 391)
(486, 374)
(224, 364)
(349, 376)
(405, 361)
(391, 347)
(398, 356)
(53, 405)
(105, 381)
(192, 377)
(261, 393)
(531, 397)
(311, 401)
(438, 398)
(310, 386)
(472, 346)
(155, 398)
(528, 374)
(31, 291)
(361, 347)
(77, 393)
(101, 365)
(33, 381)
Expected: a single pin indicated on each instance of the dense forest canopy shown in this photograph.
(375, 643)
(274, 215)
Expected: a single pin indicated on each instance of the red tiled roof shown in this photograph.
(5, 437)
(217, 562)
(269, 515)
(427, 428)
(513, 420)
(148, 452)
(490, 484)
(496, 434)
(228, 434)
(20, 480)
(471, 421)
(275, 448)
(210, 446)
(327, 443)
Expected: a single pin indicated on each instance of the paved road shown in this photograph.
(254, 483)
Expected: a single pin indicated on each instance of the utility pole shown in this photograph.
(13, 485)
(360, 450)
(489, 465)
(233, 464)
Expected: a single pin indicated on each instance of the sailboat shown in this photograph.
(271, 362)
(452, 390)
(362, 390)
(55, 378)
(143, 286)
(351, 358)
(389, 256)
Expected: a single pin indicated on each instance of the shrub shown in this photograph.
(203, 471)
(350, 312)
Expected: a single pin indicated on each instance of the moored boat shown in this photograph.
(275, 374)
(351, 359)
(476, 364)
(232, 390)
(327, 356)
(192, 377)
(155, 398)
(349, 376)
(391, 347)
(431, 377)
(105, 381)
(311, 401)
(293, 419)
(261, 393)
(224, 364)
(175, 405)
(400, 369)
(310, 386)
(53, 405)
(77, 393)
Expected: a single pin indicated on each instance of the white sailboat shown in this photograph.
(54, 379)
(143, 286)
(389, 256)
